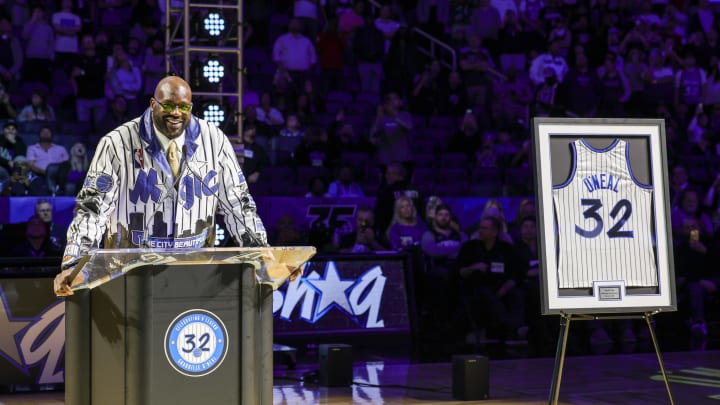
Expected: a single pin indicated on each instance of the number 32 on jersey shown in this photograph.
(622, 209)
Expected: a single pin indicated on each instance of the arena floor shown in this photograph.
(599, 380)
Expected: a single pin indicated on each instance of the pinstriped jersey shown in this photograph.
(131, 198)
(604, 220)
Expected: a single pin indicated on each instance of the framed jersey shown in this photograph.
(603, 215)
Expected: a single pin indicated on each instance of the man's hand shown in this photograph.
(366, 236)
(340, 115)
(505, 288)
(62, 284)
(296, 273)
(468, 270)
(698, 246)
(708, 286)
(277, 270)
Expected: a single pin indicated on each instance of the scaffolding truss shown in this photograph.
(186, 47)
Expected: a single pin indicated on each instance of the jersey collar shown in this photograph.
(154, 148)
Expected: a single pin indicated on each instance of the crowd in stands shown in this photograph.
(340, 101)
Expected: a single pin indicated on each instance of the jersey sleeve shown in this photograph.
(95, 203)
(236, 203)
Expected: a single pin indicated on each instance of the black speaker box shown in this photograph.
(335, 365)
(470, 377)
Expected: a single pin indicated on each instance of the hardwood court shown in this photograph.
(597, 380)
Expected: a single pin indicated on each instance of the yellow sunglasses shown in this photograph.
(168, 107)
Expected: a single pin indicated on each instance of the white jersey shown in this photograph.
(604, 220)
(130, 192)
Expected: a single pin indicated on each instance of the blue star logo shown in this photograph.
(332, 290)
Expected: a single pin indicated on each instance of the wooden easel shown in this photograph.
(565, 319)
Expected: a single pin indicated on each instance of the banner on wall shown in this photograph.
(304, 211)
(345, 294)
(32, 332)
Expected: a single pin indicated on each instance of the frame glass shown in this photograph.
(605, 242)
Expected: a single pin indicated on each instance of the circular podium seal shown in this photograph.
(196, 343)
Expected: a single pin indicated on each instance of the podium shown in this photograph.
(174, 326)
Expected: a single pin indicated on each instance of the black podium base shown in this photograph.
(135, 339)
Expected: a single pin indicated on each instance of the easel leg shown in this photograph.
(659, 356)
(559, 358)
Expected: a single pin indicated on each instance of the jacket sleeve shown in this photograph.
(5, 157)
(237, 205)
(536, 70)
(95, 203)
(434, 249)
(518, 264)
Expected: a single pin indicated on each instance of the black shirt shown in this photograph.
(25, 249)
(15, 149)
(501, 259)
(255, 158)
(385, 202)
(527, 259)
(91, 83)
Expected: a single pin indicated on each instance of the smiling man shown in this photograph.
(156, 181)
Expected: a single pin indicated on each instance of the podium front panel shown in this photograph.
(147, 328)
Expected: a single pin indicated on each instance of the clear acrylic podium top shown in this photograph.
(272, 265)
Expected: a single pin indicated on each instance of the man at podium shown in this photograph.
(156, 182)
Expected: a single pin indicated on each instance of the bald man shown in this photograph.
(156, 182)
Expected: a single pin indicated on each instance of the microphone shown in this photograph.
(253, 238)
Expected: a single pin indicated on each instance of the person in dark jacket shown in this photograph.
(369, 48)
(252, 156)
(492, 279)
(37, 241)
(396, 185)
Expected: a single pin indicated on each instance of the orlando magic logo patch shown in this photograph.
(196, 343)
(101, 182)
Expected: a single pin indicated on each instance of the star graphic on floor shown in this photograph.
(332, 291)
(10, 326)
